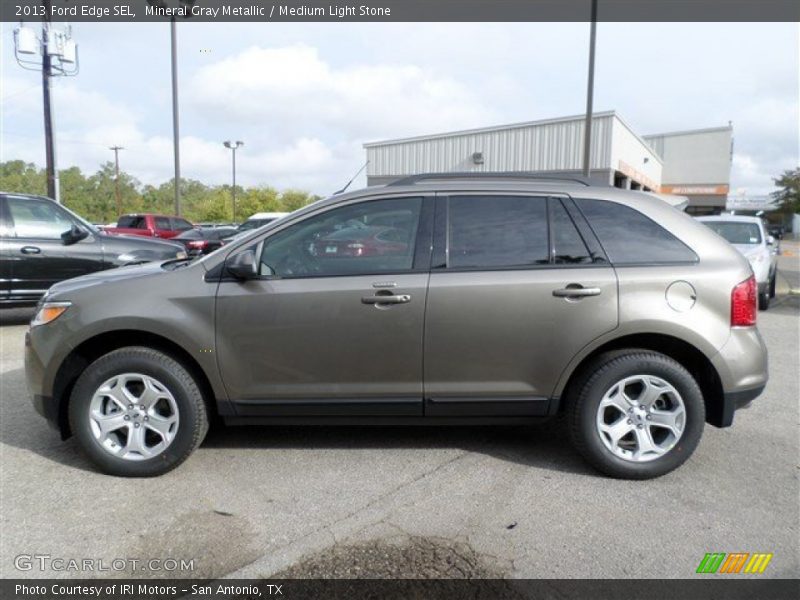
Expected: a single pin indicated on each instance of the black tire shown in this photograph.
(772, 285)
(763, 299)
(587, 392)
(192, 411)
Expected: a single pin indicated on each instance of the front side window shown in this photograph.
(162, 223)
(38, 219)
(132, 222)
(736, 232)
(631, 238)
(374, 237)
(497, 231)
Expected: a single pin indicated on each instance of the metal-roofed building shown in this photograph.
(619, 156)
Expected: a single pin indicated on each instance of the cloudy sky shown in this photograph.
(305, 97)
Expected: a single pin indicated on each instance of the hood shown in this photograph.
(110, 276)
(122, 242)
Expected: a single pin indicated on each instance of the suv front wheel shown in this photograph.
(137, 412)
(636, 414)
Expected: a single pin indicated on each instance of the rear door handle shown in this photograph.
(30, 250)
(577, 291)
(387, 299)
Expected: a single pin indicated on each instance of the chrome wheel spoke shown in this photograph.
(617, 430)
(617, 399)
(162, 426)
(645, 445)
(671, 420)
(652, 389)
(109, 423)
(136, 443)
(152, 393)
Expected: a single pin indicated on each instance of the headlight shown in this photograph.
(49, 312)
(181, 254)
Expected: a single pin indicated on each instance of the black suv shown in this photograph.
(42, 243)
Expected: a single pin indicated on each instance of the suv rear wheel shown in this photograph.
(137, 412)
(636, 414)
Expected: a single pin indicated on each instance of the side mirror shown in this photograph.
(770, 240)
(243, 265)
(73, 235)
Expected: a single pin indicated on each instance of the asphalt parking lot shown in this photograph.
(410, 502)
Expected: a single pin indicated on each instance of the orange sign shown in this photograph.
(705, 190)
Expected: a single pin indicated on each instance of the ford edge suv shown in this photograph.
(503, 298)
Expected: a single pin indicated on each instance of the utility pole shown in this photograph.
(59, 57)
(53, 190)
(587, 139)
(175, 129)
(116, 150)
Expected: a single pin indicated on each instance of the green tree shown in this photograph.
(788, 196)
(19, 176)
(294, 199)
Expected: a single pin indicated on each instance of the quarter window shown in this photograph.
(629, 237)
(497, 231)
(373, 237)
(38, 219)
(567, 241)
(181, 225)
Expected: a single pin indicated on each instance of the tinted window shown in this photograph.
(497, 231)
(629, 237)
(38, 218)
(346, 241)
(181, 225)
(568, 243)
(132, 222)
(162, 223)
(736, 232)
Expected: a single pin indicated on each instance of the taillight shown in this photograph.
(744, 303)
(199, 244)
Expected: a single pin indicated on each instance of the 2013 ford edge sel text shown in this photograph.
(439, 299)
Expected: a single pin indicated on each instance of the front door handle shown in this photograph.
(575, 290)
(30, 250)
(387, 299)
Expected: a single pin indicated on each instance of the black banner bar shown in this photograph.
(733, 588)
(134, 11)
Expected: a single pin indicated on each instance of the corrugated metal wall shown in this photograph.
(546, 146)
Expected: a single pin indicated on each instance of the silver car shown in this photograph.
(749, 236)
(439, 299)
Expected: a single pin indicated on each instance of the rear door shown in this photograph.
(518, 287)
(163, 227)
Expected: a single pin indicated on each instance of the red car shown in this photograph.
(150, 225)
(361, 241)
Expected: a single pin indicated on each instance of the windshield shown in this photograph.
(737, 233)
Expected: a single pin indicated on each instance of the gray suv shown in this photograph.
(439, 299)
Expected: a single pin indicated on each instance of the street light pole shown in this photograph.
(116, 150)
(233, 146)
(587, 135)
(51, 163)
(175, 127)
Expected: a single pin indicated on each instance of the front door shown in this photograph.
(334, 323)
(518, 291)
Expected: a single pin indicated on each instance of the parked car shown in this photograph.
(42, 243)
(361, 241)
(150, 225)
(748, 236)
(259, 220)
(517, 299)
(204, 241)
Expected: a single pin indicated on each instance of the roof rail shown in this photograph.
(414, 179)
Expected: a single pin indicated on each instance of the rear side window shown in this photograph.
(132, 222)
(630, 238)
(162, 223)
(497, 231)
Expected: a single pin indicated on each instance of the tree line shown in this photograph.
(94, 196)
